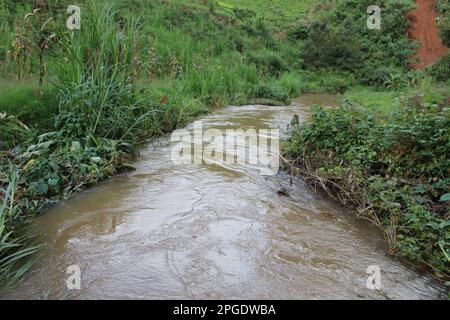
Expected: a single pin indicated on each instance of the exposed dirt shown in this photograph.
(424, 29)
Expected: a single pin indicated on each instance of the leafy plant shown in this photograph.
(441, 69)
(40, 37)
(16, 251)
(393, 171)
(339, 38)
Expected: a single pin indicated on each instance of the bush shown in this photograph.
(298, 32)
(340, 39)
(441, 69)
(393, 171)
(336, 82)
(332, 47)
(271, 91)
(443, 9)
(269, 63)
(383, 76)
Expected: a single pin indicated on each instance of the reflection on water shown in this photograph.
(171, 231)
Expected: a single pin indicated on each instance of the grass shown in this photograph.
(28, 102)
(383, 102)
(112, 91)
(276, 11)
(138, 69)
(376, 101)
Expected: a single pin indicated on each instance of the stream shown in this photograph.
(218, 231)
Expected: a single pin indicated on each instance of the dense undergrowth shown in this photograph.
(136, 69)
(394, 169)
(443, 10)
(141, 68)
(384, 152)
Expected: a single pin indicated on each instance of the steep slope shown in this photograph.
(424, 29)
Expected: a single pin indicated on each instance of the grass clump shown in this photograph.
(16, 249)
(271, 91)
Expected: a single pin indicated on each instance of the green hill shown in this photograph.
(278, 11)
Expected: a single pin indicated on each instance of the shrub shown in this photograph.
(272, 91)
(443, 9)
(332, 47)
(336, 82)
(441, 69)
(267, 62)
(340, 39)
(393, 171)
(383, 76)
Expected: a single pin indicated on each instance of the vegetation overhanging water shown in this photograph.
(74, 105)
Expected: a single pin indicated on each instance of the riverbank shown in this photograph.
(386, 152)
(392, 167)
(139, 69)
(214, 231)
(96, 107)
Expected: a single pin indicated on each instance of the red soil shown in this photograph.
(424, 29)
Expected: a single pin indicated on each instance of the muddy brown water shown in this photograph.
(220, 231)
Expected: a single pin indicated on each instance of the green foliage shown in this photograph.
(443, 9)
(29, 103)
(272, 91)
(16, 251)
(395, 171)
(316, 82)
(14, 132)
(120, 81)
(268, 62)
(339, 38)
(381, 102)
(333, 47)
(278, 12)
(441, 69)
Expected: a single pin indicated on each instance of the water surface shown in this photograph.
(221, 231)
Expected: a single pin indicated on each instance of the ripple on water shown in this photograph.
(217, 231)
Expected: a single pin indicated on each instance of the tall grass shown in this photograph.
(102, 50)
(29, 103)
(16, 252)
(120, 81)
(96, 78)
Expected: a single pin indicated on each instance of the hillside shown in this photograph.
(76, 105)
(425, 30)
(278, 11)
